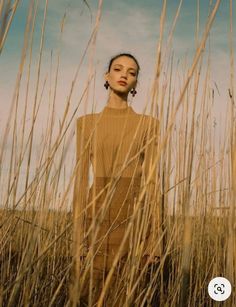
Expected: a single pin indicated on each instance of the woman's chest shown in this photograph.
(114, 135)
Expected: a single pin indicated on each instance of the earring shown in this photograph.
(133, 92)
(106, 85)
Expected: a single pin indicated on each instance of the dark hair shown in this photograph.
(123, 54)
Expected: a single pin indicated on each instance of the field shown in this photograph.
(41, 271)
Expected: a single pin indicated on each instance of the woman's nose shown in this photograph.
(124, 74)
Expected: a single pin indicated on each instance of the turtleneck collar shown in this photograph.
(115, 111)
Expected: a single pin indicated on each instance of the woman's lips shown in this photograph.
(122, 83)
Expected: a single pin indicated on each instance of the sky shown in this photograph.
(131, 26)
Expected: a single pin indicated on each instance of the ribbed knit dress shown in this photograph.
(121, 145)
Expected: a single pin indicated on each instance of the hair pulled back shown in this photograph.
(120, 55)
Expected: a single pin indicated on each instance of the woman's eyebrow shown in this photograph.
(123, 66)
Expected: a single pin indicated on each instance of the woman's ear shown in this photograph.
(106, 76)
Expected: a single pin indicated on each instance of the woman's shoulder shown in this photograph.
(86, 122)
(150, 120)
(87, 118)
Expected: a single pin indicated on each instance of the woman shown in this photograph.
(121, 146)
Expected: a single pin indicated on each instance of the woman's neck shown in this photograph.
(117, 101)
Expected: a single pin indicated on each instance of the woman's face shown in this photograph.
(122, 69)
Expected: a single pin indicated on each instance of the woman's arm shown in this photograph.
(81, 184)
(151, 173)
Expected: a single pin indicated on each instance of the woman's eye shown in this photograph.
(132, 73)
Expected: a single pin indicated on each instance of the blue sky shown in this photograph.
(126, 26)
(129, 20)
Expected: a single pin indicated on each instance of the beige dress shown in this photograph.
(120, 144)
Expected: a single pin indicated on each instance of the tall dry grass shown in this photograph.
(195, 190)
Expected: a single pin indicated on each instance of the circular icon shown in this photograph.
(219, 289)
